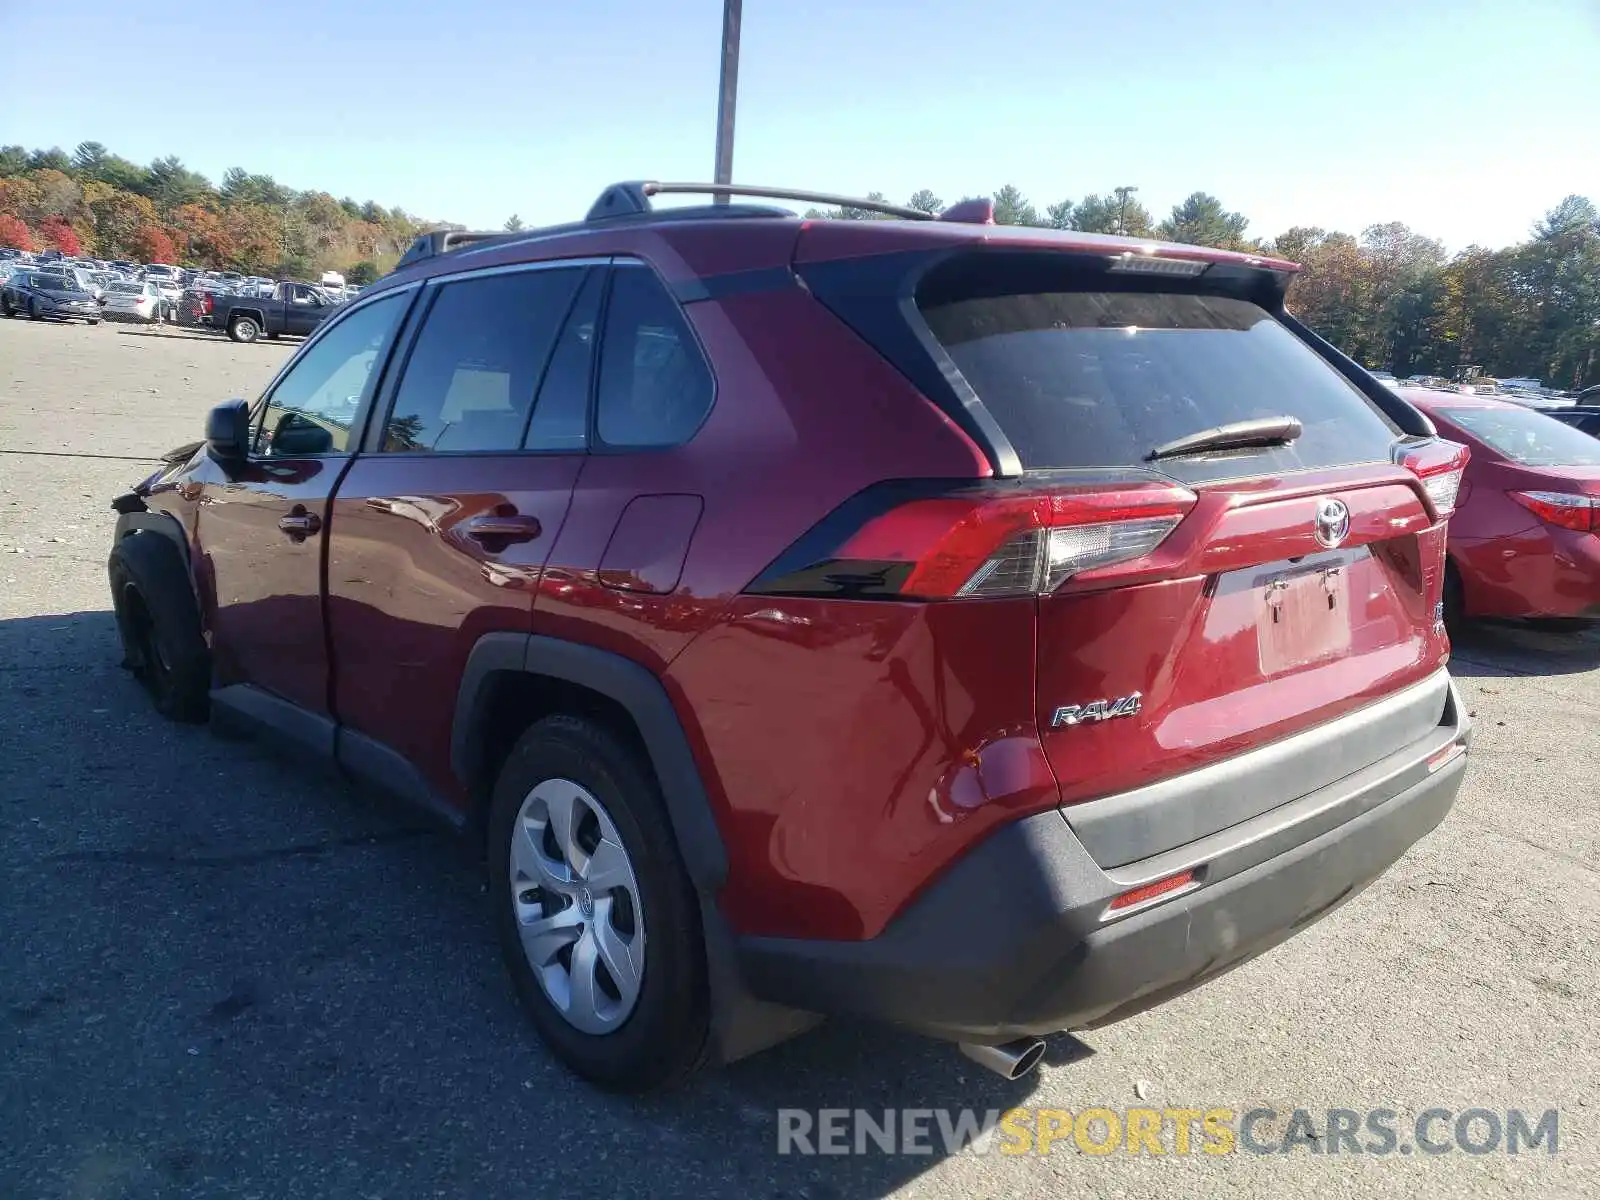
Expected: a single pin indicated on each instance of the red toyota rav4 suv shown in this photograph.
(989, 630)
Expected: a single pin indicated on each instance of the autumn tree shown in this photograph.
(14, 233)
(117, 217)
(153, 244)
(54, 231)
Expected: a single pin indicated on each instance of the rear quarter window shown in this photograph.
(1085, 378)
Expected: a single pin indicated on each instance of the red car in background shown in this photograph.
(1525, 536)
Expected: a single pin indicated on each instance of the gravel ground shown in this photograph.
(221, 974)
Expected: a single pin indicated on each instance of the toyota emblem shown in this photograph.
(1333, 522)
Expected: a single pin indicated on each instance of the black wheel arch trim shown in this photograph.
(638, 690)
(742, 1024)
(163, 525)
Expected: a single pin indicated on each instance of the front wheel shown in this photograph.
(159, 624)
(596, 917)
(33, 311)
(243, 329)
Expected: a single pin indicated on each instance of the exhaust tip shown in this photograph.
(1011, 1060)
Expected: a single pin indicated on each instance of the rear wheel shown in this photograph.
(596, 917)
(243, 329)
(33, 310)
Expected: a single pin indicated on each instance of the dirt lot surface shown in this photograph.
(221, 974)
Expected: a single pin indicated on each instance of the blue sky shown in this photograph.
(1464, 118)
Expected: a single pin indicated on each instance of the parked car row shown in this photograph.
(53, 288)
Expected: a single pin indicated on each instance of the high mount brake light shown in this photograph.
(1151, 264)
(1439, 465)
(974, 542)
(1566, 509)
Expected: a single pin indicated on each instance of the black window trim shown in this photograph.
(369, 393)
(383, 409)
(597, 444)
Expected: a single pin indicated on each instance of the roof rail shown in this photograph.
(626, 199)
(632, 199)
(442, 241)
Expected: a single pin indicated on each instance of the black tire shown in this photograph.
(666, 1038)
(159, 622)
(244, 329)
(33, 311)
(1455, 600)
(5, 307)
(95, 321)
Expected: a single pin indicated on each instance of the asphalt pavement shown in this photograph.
(224, 974)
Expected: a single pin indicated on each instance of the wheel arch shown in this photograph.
(512, 679)
(155, 524)
(527, 676)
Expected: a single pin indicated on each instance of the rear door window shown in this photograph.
(1101, 378)
(472, 373)
(1527, 437)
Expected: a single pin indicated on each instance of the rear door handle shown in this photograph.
(512, 527)
(300, 524)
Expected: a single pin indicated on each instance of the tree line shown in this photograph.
(97, 203)
(1388, 296)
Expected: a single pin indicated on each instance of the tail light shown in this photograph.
(207, 303)
(1439, 464)
(910, 541)
(1561, 508)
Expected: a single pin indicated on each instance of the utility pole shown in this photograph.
(1122, 207)
(727, 92)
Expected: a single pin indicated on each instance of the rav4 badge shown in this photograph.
(1096, 710)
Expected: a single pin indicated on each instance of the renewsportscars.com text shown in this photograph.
(1159, 1131)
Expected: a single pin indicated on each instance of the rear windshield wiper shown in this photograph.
(1259, 431)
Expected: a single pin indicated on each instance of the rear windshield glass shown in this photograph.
(1095, 379)
(1528, 437)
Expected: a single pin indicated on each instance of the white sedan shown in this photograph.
(134, 301)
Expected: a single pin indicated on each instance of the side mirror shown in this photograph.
(228, 430)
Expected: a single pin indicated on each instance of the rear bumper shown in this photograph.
(1016, 938)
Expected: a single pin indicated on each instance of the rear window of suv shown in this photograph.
(1083, 378)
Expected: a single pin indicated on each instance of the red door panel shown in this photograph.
(426, 555)
(262, 569)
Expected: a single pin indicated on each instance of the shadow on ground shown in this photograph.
(1487, 649)
(221, 972)
(188, 335)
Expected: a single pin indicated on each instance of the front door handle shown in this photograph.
(300, 524)
(504, 529)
